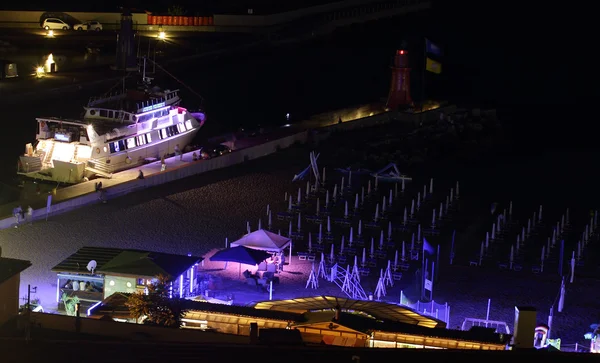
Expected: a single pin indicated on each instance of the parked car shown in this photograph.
(212, 151)
(88, 25)
(55, 23)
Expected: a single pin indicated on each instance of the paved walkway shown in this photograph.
(37, 201)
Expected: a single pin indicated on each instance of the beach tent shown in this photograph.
(265, 241)
(241, 255)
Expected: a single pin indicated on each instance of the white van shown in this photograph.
(54, 24)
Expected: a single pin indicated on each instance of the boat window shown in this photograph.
(117, 146)
(93, 112)
(163, 134)
(110, 114)
(172, 130)
(131, 142)
(181, 127)
(148, 138)
(103, 113)
(126, 117)
(141, 140)
(165, 112)
(188, 124)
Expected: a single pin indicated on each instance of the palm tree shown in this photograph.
(157, 306)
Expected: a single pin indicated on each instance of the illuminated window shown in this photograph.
(131, 143)
(188, 124)
(141, 140)
(163, 134)
(148, 138)
(181, 127)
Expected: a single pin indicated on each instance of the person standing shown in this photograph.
(178, 152)
(281, 262)
(17, 214)
(30, 215)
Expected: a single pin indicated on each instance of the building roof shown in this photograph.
(378, 310)
(143, 263)
(10, 267)
(115, 304)
(77, 262)
(119, 261)
(367, 325)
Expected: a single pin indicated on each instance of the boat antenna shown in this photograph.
(178, 80)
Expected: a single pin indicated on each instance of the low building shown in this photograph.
(346, 322)
(95, 273)
(226, 319)
(10, 279)
(324, 320)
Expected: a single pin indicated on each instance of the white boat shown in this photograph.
(116, 133)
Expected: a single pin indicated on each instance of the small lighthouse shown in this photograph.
(400, 83)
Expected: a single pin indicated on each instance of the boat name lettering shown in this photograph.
(62, 137)
(153, 107)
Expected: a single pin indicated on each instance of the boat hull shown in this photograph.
(76, 172)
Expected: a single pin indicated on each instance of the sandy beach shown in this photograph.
(195, 216)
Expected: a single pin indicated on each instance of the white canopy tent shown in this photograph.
(266, 241)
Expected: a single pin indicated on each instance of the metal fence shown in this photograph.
(431, 308)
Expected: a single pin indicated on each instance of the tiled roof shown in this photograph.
(10, 267)
(379, 310)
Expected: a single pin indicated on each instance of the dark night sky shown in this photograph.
(532, 59)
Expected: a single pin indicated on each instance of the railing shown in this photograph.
(347, 282)
(431, 308)
(99, 99)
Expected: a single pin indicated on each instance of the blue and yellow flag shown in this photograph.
(433, 66)
(432, 48)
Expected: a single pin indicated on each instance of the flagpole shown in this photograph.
(423, 271)
(423, 78)
(437, 260)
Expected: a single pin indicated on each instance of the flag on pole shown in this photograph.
(428, 248)
(433, 66)
(432, 48)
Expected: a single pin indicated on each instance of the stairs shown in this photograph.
(47, 159)
(348, 283)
